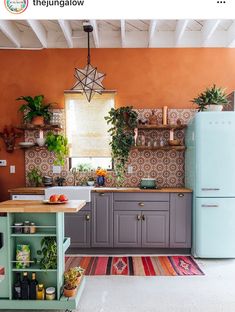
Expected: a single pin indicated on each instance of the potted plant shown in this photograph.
(58, 144)
(48, 253)
(35, 110)
(35, 177)
(212, 99)
(70, 282)
(90, 181)
(80, 272)
(123, 121)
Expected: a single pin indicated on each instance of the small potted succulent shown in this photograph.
(35, 110)
(70, 282)
(35, 177)
(212, 99)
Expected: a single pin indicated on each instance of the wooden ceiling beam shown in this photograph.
(67, 31)
(39, 31)
(11, 32)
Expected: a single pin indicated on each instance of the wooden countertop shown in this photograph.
(138, 190)
(27, 191)
(37, 206)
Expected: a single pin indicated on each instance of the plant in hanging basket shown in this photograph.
(211, 96)
(123, 121)
(35, 110)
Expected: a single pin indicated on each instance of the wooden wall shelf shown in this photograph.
(161, 148)
(161, 127)
(36, 128)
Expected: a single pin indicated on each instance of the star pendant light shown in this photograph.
(89, 80)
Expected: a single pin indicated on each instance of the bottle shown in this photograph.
(40, 292)
(25, 287)
(153, 119)
(17, 287)
(33, 287)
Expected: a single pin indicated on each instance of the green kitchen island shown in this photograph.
(49, 222)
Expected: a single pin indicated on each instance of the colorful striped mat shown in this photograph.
(139, 266)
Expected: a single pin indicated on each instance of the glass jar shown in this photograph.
(32, 228)
(50, 293)
(40, 292)
(26, 227)
(18, 227)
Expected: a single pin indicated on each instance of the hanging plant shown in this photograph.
(123, 121)
(58, 144)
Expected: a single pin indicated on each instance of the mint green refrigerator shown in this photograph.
(210, 172)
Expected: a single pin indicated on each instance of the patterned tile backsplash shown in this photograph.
(165, 166)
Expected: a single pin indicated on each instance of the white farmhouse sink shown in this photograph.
(72, 192)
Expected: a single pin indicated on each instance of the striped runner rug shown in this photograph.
(138, 266)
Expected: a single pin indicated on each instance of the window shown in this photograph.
(87, 130)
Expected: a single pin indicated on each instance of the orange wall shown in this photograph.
(144, 78)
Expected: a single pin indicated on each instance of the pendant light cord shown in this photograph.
(88, 56)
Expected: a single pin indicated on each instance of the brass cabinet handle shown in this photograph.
(88, 217)
(141, 204)
(143, 217)
(101, 194)
(138, 217)
(181, 194)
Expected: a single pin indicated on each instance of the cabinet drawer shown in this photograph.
(144, 197)
(140, 205)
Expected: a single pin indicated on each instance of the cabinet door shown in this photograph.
(78, 227)
(180, 220)
(127, 229)
(155, 229)
(102, 220)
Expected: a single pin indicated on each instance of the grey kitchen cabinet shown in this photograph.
(180, 220)
(127, 229)
(155, 229)
(78, 227)
(102, 220)
(141, 220)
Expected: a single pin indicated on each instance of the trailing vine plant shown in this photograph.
(58, 144)
(123, 121)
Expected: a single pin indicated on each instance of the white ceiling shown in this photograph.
(37, 34)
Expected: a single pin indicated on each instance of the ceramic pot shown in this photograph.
(100, 181)
(214, 108)
(38, 121)
(70, 292)
(41, 141)
(90, 183)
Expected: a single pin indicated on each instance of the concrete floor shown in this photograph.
(214, 292)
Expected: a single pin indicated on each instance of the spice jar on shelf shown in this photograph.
(40, 292)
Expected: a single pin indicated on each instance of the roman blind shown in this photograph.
(86, 128)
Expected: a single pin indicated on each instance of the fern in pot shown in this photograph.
(35, 110)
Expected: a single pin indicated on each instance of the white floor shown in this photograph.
(214, 292)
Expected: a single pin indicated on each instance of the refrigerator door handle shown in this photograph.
(210, 206)
(210, 189)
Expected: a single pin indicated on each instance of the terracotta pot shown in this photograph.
(38, 121)
(70, 292)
